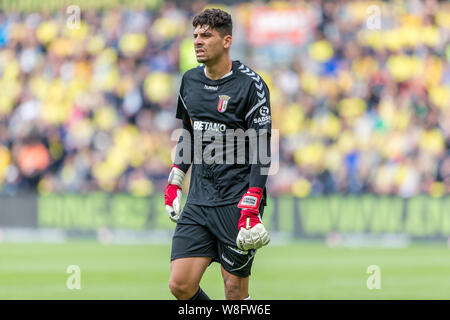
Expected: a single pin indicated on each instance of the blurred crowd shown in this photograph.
(359, 107)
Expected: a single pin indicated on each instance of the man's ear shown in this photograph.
(227, 40)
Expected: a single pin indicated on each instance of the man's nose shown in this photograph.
(198, 41)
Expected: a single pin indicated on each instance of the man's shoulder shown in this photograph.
(247, 74)
(193, 73)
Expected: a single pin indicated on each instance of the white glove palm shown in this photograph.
(253, 238)
(174, 210)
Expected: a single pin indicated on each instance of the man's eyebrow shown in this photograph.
(206, 32)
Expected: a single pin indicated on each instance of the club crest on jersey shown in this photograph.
(223, 102)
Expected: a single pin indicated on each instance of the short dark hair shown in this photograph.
(216, 19)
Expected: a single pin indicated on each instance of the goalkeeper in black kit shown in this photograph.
(221, 220)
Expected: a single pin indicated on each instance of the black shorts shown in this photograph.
(211, 232)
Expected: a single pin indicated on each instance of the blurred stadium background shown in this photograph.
(360, 93)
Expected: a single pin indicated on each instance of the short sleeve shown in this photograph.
(181, 106)
(182, 112)
(258, 114)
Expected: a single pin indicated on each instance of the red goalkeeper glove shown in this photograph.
(173, 193)
(252, 233)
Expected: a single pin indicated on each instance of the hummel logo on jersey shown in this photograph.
(261, 96)
(211, 87)
(223, 102)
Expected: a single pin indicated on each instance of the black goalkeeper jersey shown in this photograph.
(239, 100)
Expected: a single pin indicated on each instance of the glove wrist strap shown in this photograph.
(251, 199)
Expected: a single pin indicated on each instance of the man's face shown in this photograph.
(209, 45)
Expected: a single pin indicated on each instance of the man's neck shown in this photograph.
(218, 70)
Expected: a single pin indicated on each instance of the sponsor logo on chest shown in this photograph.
(205, 125)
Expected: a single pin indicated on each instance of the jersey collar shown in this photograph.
(228, 74)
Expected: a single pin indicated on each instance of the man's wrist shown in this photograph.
(256, 190)
(250, 211)
(251, 199)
